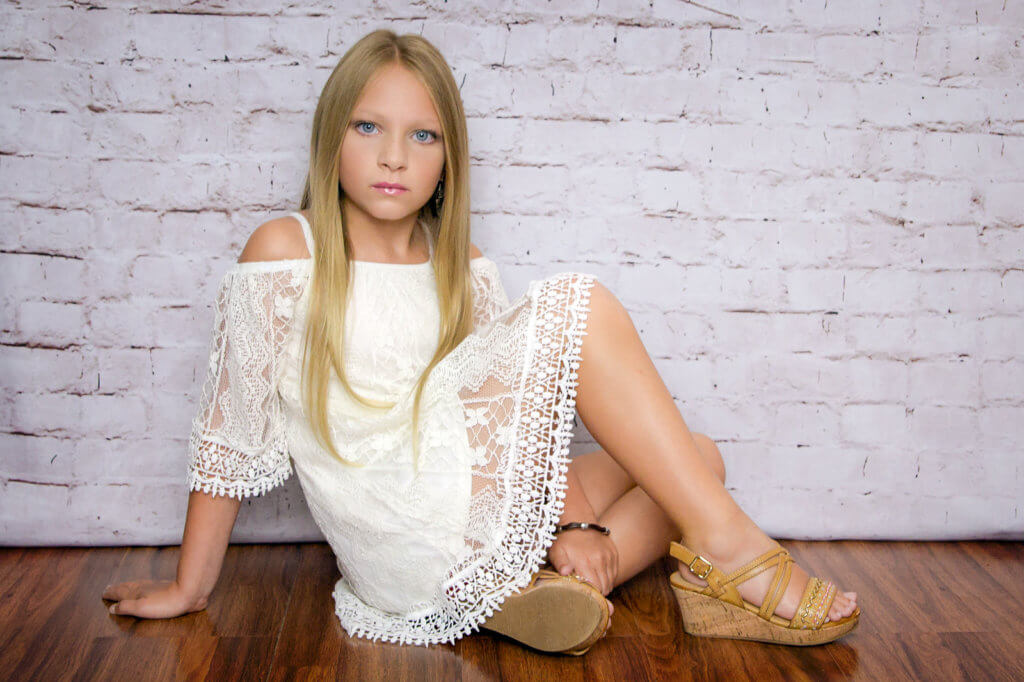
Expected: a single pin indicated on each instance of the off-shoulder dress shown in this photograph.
(424, 557)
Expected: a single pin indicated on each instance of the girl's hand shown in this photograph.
(588, 554)
(152, 599)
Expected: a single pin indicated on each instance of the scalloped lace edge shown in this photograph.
(215, 485)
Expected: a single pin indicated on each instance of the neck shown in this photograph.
(384, 241)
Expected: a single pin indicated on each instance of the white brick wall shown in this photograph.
(813, 211)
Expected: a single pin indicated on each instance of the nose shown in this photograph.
(392, 153)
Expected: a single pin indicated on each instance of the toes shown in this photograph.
(841, 608)
(845, 604)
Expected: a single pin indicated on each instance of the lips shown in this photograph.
(390, 189)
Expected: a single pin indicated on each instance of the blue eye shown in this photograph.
(421, 135)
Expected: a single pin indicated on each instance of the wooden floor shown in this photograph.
(932, 611)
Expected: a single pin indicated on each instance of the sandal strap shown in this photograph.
(759, 565)
(703, 569)
(777, 558)
(723, 586)
(814, 604)
(780, 581)
(541, 573)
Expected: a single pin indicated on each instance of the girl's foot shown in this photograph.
(729, 551)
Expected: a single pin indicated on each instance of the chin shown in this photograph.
(393, 215)
(379, 207)
(393, 212)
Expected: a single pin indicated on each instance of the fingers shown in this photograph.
(559, 560)
(600, 578)
(147, 607)
(606, 564)
(148, 599)
(125, 607)
(611, 612)
(606, 574)
(140, 608)
(121, 591)
(598, 568)
(605, 579)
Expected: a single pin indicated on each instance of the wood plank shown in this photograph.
(932, 610)
(128, 658)
(53, 631)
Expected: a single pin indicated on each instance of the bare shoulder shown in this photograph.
(277, 239)
(474, 252)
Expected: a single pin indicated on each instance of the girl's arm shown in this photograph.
(208, 525)
(247, 318)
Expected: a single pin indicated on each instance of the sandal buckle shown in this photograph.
(707, 571)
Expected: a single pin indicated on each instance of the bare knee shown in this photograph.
(711, 454)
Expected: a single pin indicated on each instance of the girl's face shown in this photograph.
(393, 137)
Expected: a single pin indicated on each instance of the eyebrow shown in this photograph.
(366, 113)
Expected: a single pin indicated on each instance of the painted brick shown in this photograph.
(812, 212)
(948, 428)
(946, 335)
(952, 382)
(28, 369)
(1001, 380)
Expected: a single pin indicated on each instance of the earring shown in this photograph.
(438, 197)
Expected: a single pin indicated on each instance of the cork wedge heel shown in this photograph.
(718, 610)
(554, 613)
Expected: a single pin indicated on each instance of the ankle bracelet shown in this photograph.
(582, 526)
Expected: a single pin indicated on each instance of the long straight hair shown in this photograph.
(322, 195)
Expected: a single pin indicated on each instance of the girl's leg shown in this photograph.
(630, 412)
(640, 529)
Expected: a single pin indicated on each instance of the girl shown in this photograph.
(365, 341)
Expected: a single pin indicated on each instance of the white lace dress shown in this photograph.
(424, 558)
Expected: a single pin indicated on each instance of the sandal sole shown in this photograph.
(556, 615)
(705, 616)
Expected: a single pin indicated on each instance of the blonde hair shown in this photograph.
(322, 195)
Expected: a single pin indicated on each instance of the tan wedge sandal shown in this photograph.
(718, 610)
(554, 613)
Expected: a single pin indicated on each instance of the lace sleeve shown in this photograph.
(489, 298)
(237, 445)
